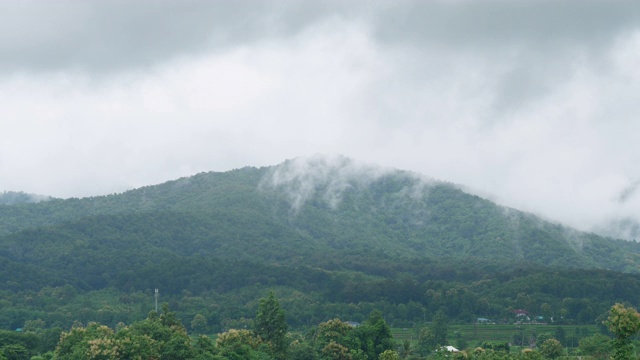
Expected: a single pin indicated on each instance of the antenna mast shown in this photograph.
(156, 300)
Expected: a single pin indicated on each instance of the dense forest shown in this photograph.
(332, 239)
(162, 336)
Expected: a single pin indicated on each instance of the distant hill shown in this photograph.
(294, 211)
(332, 227)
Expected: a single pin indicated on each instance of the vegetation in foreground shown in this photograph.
(163, 336)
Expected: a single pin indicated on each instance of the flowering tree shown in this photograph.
(623, 322)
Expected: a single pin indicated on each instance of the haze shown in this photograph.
(532, 103)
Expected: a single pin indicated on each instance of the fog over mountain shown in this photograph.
(532, 103)
(12, 198)
(297, 212)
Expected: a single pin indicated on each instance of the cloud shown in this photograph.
(482, 24)
(114, 36)
(109, 35)
(179, 117)
(331, 175)
(534, 102)
(629, 191)
(121, 35)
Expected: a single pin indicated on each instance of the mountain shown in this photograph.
(329, 229)
(289, 212)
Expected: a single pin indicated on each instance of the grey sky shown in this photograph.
(533, 102)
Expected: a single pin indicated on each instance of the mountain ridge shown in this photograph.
(333, 237)
(338, 205)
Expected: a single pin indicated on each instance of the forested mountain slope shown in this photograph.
(302, 211)
(328, 232)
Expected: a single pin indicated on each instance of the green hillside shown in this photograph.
(332, 208)
(336, 238)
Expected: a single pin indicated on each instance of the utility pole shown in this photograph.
(156, 300)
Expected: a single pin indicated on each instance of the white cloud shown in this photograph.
(541, 113)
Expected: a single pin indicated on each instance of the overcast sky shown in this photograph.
(535, 103)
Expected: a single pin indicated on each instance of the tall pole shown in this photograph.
(156, 300)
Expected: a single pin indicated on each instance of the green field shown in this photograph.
(474, 334)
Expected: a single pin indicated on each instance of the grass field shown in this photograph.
(474, 334)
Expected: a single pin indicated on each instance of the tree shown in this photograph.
(338, 332)
(77, 343)
(560, 335)
(302, 350)
(545, 308)
(335, 351)
(439, 327)
(199, 323)
(154, 338)
(389, 355)
(426, 341)
(598, 346)
(375, 335)
(497, 347)
(204, 346)
(168, 318)
(270, 324)
(435, 335)
(163, 335)
(15, 352)
(530, 354)
(542, 337)
(551, 349)
(33, 325)
(623, 322)
(406, 349)
(334, 330)
(238, 344)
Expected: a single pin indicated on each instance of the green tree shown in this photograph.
(270, 324)
(164, 334)
(168, 318)
(77, 343)
(389, 355)
(598, 346)
(33, 325)
(530, 354)
(336, 331)
(302, 350)
(426, 341)
(435, 335)
(623, 322)
(15, 352)
(375, 335)
(238, 344)
(545, 308)
(162, 338)
(406, 349)
(335, 351)
(497, 347)
(205, 347)
(551, 349)
(133, 345)
(440, 326)
(542, 337)
(199, 324)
